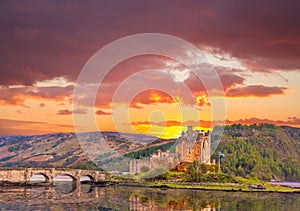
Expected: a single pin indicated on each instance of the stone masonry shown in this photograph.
(23, 175)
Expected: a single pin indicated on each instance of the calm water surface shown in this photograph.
(288, 184)
(67, 197)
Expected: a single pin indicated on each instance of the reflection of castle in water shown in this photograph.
(138, 203)
(191, 145)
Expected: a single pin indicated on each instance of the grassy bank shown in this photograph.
(219, 182)
(232, 187)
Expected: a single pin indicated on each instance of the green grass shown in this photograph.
(248, 181)
(176, 173)
(231, 187)
(207, 187)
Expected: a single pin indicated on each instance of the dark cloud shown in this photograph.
(228, 79)
(69, 112)
(45, 39)
(64, 112)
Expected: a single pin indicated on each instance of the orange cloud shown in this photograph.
(255, 91)
(151, 97)
(17, 96)
(175, 123)
(202, 100)
(42, 104)
(141, 123)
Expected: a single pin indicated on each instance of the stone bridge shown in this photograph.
(23, 175)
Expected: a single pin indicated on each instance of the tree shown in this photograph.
(196, 170)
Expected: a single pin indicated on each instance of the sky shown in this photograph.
(251, 47)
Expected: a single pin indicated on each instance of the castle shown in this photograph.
(191, 145)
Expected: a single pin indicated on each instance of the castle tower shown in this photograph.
(194, 145)
(190, 131)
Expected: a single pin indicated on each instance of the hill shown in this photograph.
(64, 150)
(263, 151)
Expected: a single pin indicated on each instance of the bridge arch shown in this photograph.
(87, 178)
(64, 177)
(39, 177)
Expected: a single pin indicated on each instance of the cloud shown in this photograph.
(21, 127)
(43, 40)
(140, 123)
(19, 112)
(227, 76)
(151, 97)
(202, 101)
(40, 41)
(17, 96)
(68, 112)
(101, 112)
(174, 123)
(169, 123)
(64, 112)
(292, 121)
(255, 91)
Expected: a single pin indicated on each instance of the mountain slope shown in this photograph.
(63, 149)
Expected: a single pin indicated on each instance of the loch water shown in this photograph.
(65, 196)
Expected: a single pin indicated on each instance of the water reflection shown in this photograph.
(62, 187)
(64, 196)
(87, 188)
